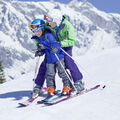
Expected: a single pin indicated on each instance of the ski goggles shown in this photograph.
(48, 19)
(34, 28)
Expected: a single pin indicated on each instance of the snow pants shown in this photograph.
(69, 64)
(51, 71)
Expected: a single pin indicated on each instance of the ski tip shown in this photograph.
(22, 105)
(102, 85)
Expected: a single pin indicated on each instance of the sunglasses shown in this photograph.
(48, 19)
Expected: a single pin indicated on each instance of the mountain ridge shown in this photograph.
(95, 29)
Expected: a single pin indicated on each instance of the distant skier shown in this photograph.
(64, 33)
(50, 47)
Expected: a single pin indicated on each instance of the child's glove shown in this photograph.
(40, 47)
(54, 50)
(38, 53)
(34, 37)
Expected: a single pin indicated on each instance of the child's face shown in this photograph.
(38, 33)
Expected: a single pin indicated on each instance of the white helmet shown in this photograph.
(56, 15)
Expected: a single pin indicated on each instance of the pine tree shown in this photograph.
(2, 77)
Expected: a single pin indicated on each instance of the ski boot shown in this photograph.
(36, 90)
(65, 91)
(79, 86)
(50, 95)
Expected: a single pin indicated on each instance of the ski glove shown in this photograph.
(40, 47)
(38, 53)
(34, 37)
(54, 50)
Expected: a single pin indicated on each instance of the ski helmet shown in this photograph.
(56, 15)
(37, 24)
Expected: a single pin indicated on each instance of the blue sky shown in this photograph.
(104, 5)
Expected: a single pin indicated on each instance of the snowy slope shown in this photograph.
(97, 105)
(95, 30)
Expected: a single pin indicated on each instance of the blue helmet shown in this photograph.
(37, 24)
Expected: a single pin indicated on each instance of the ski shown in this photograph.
(32, 99)
(59, 99)
(50, 98)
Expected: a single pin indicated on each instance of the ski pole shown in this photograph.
(77, 63)
(66, 73)
(36, 69)
(73, 60)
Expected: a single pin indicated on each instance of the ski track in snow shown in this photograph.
(95, 105)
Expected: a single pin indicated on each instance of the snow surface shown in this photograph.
(96, 105)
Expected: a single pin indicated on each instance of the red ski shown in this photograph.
(59, 99)
(31, 99)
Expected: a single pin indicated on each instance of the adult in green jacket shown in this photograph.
(65, 35)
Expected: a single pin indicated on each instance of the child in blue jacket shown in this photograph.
(50, 48)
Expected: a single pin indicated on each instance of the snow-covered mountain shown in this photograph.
(95, 30)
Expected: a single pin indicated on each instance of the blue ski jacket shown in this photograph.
(48, 41)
